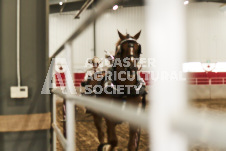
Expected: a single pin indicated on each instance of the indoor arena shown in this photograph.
(113, 75)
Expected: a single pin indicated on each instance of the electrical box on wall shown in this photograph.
(19, 92)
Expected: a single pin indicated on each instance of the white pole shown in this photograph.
(54, 121)
(113, 110)
(18, 43)
(70, 88)
(70, 125)
(166, 42)
(70, 109)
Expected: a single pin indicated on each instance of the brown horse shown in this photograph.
(125, 69)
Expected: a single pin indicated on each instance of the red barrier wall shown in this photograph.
(193, 78)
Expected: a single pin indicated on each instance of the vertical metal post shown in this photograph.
(166, 37)
(70, 88)
(54, 121)
(53, 103)
(94, 38)
(70, 125)
(70, 109)
(18, 43)
(94, 32)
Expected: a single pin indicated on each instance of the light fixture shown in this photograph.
(186, 2)
(60, 3)
(115, 7)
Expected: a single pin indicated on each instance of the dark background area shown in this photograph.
(34, 59)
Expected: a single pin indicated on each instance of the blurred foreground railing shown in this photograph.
(168, 114)
(196, 125)
(106, 107)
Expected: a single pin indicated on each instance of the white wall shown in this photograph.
(130, 20)
(206, 32)
(61, 27)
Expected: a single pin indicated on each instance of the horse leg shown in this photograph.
(111, 132)
(99, 126)
(133, 138)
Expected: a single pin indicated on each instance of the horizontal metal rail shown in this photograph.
(109, 108)
(99, 10)
(84, 7)
(198, 126)
(56, 2)
(205, 127)
(207, 80)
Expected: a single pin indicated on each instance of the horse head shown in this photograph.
(128, 50)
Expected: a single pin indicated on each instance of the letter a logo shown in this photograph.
(58, 66)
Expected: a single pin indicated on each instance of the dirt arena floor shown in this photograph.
(218, 106)
(86, 134)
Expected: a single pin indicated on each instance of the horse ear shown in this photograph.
(137, 35)
(122, 37)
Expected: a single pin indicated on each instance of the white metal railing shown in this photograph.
(172, 124)
(169, 118)
(196, 125)
(202, 126)
(69, 143)
(109, 108)
(166, 42)
(99, 10)
(207, 81)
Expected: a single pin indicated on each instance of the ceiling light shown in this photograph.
(60, 3)
(186, 2)
(115, 7)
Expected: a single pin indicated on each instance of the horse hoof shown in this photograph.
(104, 147)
